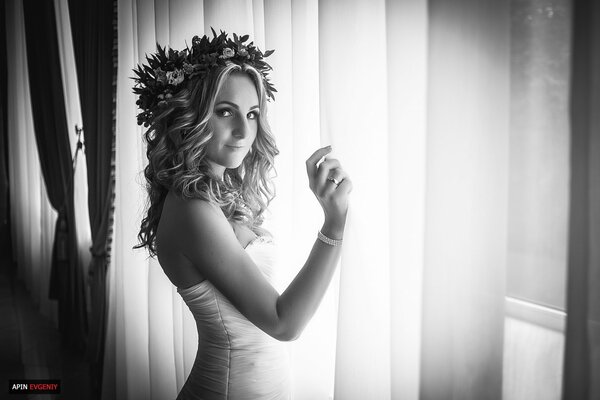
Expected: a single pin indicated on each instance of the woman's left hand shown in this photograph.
(331, 186)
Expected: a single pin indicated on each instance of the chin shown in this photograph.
(232, 163)
(233, 166)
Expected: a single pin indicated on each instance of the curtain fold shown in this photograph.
(51, 132)
(582, 347)
(353, 118)
(92, 30)
(4, 187)
(467, 200)
(126, 367)
(32, 217)
(407, 27)
(73, 113)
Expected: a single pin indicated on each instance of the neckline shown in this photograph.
(258, 239)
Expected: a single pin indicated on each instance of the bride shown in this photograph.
(210, 158)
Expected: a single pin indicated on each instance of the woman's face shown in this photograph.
(234, 123)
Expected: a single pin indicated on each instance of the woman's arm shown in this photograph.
(206, 238)
(298, 303)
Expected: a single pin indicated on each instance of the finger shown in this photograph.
(324, 170)
(311, 163)
(338, 174)
(335, 178)
(345, 186)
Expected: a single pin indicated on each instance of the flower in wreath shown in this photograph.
(161, 76)
(243, 52)
(188, 68)
(227, 53)
(175, 77)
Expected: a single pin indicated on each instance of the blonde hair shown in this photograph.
(176, 149)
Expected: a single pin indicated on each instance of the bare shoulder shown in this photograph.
(192, 224)
(181, 218)
(177, 206)
(174, 224)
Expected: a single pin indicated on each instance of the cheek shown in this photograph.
(219, 133)
(219, 128)
(254, 131)
(214, 146)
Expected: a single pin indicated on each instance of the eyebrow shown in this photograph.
(234, 105)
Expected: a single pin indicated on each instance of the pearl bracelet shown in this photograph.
(329, 241)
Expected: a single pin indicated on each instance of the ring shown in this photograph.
(332, 179)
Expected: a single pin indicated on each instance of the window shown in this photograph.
(539, 148)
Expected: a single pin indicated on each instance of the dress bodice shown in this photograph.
(235, 359)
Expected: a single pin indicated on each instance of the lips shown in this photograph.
(235, 147)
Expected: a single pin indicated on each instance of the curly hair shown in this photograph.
(176, 149)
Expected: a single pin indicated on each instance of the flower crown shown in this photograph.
(165, 72)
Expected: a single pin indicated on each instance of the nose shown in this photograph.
(241, 128)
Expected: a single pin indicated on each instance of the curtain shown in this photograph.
(31, 214)
(582, 347)
(73, 114)
(407, 29)
(353, 117)
(401, 89)
(50, 126)
(92, 27)
(4, 194)
(151, 337)
(467, 192)
(32, 217)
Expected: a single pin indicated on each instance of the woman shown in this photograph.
(210, 153)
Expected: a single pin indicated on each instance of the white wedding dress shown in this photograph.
(235, 359)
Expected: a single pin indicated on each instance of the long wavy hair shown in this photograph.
(176, 149)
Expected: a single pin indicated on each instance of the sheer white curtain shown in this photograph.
(151, 340)
(429, 197)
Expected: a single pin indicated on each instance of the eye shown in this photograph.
(253, 115)
(224, 112)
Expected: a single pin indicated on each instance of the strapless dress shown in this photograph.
(235, 359)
